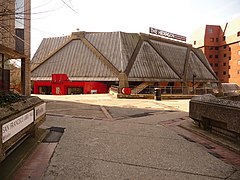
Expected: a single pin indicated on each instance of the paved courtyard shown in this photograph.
(110, 138)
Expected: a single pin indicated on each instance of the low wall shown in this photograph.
(223, 113)
(18, 120)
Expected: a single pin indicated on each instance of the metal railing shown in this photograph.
(177, 90)
(170, 90)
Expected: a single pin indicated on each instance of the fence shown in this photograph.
(170, 90)
(176, 90)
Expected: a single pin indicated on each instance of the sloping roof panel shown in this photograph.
(108, 43)
(72, 61)
(47, 46)
(117, 47)
(128, 44)
(197, 67)
(175, 54)
(149, 65)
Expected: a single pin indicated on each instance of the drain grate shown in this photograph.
(54, 135)
(140, 115)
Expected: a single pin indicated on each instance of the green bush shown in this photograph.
(8, 97)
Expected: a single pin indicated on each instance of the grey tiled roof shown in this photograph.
(100, 56)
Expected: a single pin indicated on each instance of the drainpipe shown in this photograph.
(2, 72)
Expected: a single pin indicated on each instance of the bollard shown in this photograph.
(158, 94)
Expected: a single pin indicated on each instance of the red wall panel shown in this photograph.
(61, 88)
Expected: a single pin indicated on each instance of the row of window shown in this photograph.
(216, 65)
(224, 73)
(216, 56)
(216, 39)
(223, 38)
(217, 48)
(210, 30)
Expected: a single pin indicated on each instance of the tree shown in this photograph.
(16, 14)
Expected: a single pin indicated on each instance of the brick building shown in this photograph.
(15, 16)
(221, 46)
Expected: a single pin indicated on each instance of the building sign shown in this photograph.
(13, 127)
(167, 34)
(40, 110)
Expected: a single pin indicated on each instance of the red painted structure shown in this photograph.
(61, 85)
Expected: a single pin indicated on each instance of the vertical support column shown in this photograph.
(185, 71)
(25, 77)
(2, 60)
(28, 77)
(23, 82)
(27, 47)
(123, 80)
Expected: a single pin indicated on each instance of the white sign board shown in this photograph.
(40, 110)
(167, 34)
(13, 127)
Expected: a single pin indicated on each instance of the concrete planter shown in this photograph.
(18, 120)
(223, 113)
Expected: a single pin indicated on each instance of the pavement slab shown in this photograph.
(133, 142)
(122, 145)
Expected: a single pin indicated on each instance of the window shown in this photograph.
(224, 47)
(224, 55)
(216, 39)
(216, 56)
(210, 56)
(216, 48)
(224, 64)
(211, 64)
(229, 67)
(238, 33)
(229, 76)
(211, 39)
(210, 30)
(229, 49)
(224, 38)
(217, 72)
(210, 48)
(194, 42)
(224, 72)
(238, 71)
(229, 58)
(216, 64)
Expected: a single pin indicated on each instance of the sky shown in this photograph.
(53, 18)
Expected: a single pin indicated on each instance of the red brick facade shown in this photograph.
(221, 46)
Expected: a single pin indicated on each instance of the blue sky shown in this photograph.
(52, 18)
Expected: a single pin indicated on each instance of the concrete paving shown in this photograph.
(131, 145)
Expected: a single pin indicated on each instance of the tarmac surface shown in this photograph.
(109, 138)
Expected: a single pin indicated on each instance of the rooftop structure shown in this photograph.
(126, 58)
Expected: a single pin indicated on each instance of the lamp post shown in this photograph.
(194, 76)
